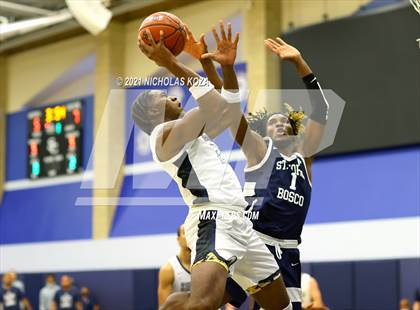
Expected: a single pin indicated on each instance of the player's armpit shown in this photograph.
(166, 280)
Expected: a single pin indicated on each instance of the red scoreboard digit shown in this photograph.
(55, 140)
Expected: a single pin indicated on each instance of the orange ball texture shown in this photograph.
(173, 31)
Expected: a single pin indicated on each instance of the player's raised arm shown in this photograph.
(314, 130)
(196, 49)
(178, 132)
(252, 144)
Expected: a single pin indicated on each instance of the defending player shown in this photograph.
(175, 275)
(221, 238)
(279, 156)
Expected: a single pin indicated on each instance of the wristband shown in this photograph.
(309, 79)
(200, 88)
(230, 97)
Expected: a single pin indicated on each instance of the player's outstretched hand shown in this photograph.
(156, 51)
(192, 47)
(225, 53)
(283, 50)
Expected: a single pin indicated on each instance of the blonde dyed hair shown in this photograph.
(258, 121)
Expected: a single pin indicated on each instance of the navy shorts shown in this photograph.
(290, 268)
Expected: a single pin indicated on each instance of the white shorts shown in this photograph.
(226, 237)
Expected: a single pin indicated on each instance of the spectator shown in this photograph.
(67, 297)
(11, 297)
(47, 293)
(404, 304)
(16, 282)
(87, 301)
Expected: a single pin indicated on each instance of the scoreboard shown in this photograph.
(54, 140)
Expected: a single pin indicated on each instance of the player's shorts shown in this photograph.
(224, 236)
(287, 256)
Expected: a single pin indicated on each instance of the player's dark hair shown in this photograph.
(50, 275)
(139, 111)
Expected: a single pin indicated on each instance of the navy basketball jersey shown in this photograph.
(66, 300)
(278, 192)
(10, 298)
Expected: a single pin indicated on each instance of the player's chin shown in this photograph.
(280, 138)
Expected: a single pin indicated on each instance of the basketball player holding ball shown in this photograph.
(218, 232)
(279, 153)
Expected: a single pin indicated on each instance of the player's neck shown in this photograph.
(287, 146)
(288, 151)
(185, 257)
(7, 286)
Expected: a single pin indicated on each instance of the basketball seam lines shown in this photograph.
(176, 22)
(172, 35)
(164, 38)
(159, 25)
(176, 42)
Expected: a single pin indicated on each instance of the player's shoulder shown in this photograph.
(270, 151)
(167, 267)
(166, 273)
(14, 289)
(59, 292)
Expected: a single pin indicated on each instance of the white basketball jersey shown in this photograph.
(306, 289)
(202, 173)
(182, 276)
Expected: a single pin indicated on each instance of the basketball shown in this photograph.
(172, 27)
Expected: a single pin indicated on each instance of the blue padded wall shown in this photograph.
(377, 285)
(336, 281)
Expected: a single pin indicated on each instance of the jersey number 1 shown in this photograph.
(294, 178)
